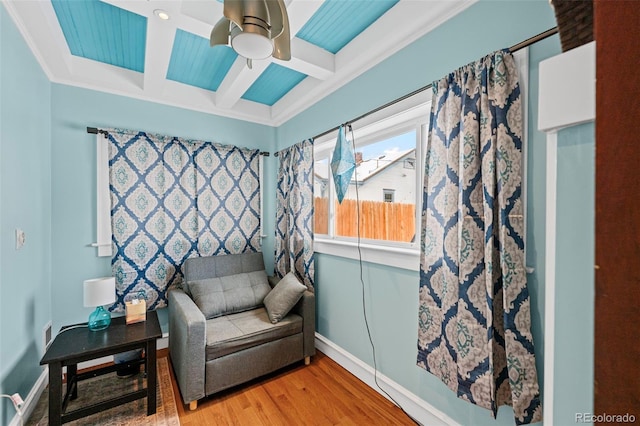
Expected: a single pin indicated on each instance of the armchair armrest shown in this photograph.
(306, 308)
(187, 340)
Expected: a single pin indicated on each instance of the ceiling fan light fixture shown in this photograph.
(255, 29)
(251, 46)
(254, 41)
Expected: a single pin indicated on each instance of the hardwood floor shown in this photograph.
(322, 393)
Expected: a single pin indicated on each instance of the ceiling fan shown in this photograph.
(255, 29)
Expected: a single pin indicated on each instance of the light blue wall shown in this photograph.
(391, 294)
(25, 202)
(575, 279)
(74, 177)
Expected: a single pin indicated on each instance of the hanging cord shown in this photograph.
(364, 305)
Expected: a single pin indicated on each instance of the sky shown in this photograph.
(401, 142)
(397, 143)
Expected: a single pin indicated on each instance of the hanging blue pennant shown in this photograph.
(343, 164)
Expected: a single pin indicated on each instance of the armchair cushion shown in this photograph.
(230, 294)
(283, 297)
(232, 333)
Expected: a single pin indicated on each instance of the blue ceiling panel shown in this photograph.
(337, 22)
(275, 82)
(102, 32)
(196, 63)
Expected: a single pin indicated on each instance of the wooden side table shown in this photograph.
(75, 344)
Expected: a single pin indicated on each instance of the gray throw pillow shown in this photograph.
(283, 297)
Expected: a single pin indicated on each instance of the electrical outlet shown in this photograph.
(20, 238)
(17, 400)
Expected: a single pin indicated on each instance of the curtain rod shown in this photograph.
(526, 43)
(95, 131)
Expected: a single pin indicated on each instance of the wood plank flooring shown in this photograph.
(322, 393)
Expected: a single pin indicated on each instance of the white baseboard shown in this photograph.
(32, 399)
(43, 381)
(418, 408)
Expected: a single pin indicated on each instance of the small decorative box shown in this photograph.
(136, 308)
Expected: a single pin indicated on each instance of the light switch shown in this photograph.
(20, 238)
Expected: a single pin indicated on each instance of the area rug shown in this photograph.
(133, 413)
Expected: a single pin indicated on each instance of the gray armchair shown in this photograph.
(219, 332)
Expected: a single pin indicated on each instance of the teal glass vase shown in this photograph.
(99, 319)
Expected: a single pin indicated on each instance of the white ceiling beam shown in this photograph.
(160, 36)
(309, 59)
(305, 58)
(143, 8)
(95, 73)
(195, 26)
(195, 17)
(238, 80)
(159, 39)
(206, 11)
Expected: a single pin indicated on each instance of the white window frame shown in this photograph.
(411, 114)
(409, 163)
(408, 114)
(391, 193)
(103, 198)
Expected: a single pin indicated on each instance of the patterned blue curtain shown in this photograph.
(172, 199)
(294, 213)
(474, 313)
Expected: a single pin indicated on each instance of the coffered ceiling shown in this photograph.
(123, 47)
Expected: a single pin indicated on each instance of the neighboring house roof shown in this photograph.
(371, 167)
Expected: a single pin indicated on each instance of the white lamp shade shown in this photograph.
(99, 291)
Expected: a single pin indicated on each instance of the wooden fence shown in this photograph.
(378, 220)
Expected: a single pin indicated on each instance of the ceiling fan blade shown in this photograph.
(282, 43)
(234, 11)
(275, 17)
(220, 33)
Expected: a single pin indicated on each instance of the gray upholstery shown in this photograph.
(306, 308)
(230, 294)
(187, 331)
(198, 268)
(234, 345)
(283, 297)
(240, 367)
(231, 333)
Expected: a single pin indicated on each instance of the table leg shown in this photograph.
(151, 371)
(72, 370)
(55, 393)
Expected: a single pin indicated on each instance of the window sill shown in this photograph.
(399, 257)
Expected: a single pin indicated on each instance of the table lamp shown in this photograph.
(99, 292)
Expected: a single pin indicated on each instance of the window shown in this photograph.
(382, 195)
(376, 149)
(382, 205)
(410, 163)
